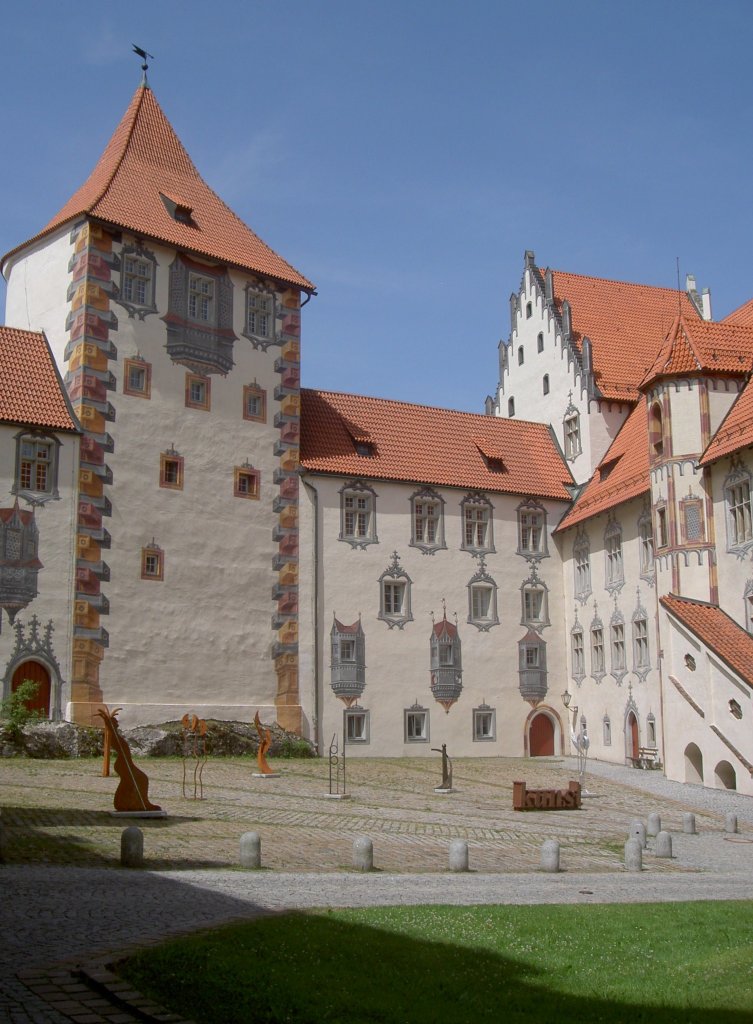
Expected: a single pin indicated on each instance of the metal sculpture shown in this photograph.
(195, 749)
(524, 799)
(336, 769)
(265, 742)
(132, 794)
(446, 769)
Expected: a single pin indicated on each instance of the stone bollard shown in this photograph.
(663, 845)
(634, 855)
(654, 824)
(363, 854)
(688, 824)
(250, 850)
(730, 823)
(458, 855)
(638, 831)
(132, 847)
(550, 855)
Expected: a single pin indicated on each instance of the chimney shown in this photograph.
(706, 304)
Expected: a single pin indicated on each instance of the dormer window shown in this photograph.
(179, 211)
(364, 448)
(606, 468)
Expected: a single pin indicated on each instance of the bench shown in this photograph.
(648, 757)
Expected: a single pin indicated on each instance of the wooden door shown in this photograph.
(541, 737)
(38, 674)
(634, 741)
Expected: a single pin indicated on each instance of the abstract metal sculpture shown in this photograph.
(446, 785)
(336, 769)
(132, 794)
(194, 748)
(265, 742)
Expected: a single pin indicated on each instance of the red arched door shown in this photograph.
(541, 736)
(634, 742)
(38, 674)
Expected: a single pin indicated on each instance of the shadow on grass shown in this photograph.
(316, 969)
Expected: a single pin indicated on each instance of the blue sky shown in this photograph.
(404, 155)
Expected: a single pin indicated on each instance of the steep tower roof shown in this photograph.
(146, 182)
(702, 346)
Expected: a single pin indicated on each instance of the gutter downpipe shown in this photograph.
(314, 495)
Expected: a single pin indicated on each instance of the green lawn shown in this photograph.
(660, 963)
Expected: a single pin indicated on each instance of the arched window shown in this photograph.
(521, 355)
(656, 429)
(510, 406)
(540, 342)
(545, 384)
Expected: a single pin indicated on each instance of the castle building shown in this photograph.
(187, 530)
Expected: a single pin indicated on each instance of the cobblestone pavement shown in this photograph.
(66, 899)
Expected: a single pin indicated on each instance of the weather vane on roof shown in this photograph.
(145, 57)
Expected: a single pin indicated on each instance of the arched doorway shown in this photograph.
(39, 675)
(693, 764)
(724, 776)
(632, 737)
(541, 736)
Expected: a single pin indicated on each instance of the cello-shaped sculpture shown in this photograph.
(265, 742)
(132, 794)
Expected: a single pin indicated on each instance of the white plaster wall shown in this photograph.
(398, 666)
(711, 685)
(38, 282)
(722, 393)
(608, 697)
(57, 548)
(685, 417)
(599, 423)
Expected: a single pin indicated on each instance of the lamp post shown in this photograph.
(580, 741)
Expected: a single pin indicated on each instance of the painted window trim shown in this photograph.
(153, 551)
(133, 308)
(572, 441)
(737, 476)
(32, 495)
(533, 585)
(578, 673)
(646, 542)
(484, 710)
(359, 489)
(137, 363)
(532, 507)
(247, 471)
(617, 672)
(607, 730)
(204, 404)
(417, 709)
(167, 457)
(356, 711)
(477, 500)
(692, 501)
(428, 496)
(256, 391)
(597, 674)
(581, 547)
(257, 338)
(395, 575)
(613, 582)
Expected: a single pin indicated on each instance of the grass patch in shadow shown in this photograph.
(658, 963)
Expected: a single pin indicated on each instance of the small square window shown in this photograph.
(254, 403)
(247, 482)
(198, 392)
(137, 378)
(356, 725)
(347, 650)
(416, 725)
(152, 562)
(171, 471)
(484, 724)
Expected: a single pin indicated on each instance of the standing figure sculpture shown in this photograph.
(132, 794)
(446, 769)
(265, 742)
(194, 747)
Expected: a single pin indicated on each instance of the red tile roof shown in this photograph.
(621, 475)
(721, 634)
(743, 315)
(626, 324)
(144, 161)
(693, 346)
(735, 431)
(31, 390)
(427, 445)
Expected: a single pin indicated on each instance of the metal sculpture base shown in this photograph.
(337, 796)
(265, 775)
(442, 789)
(138, 814)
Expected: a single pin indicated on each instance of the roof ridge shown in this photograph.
(614, 280)
(422, 405)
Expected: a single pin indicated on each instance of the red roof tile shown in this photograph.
(143, 161)
(626, 324)
(427, 445)
(31, 391)
(621, 475)
(721, 634)
(693, 346)
(743, 315)
(735, 431)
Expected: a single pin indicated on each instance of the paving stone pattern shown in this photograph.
(69, 909)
